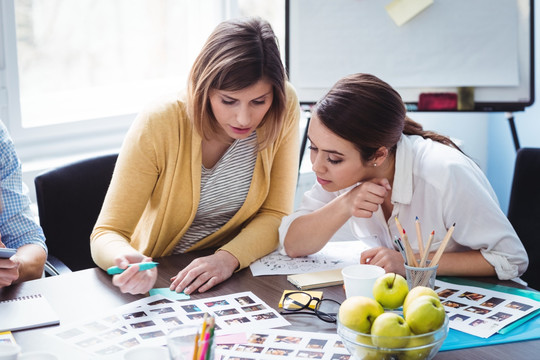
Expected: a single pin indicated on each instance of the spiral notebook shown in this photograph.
(26, 312)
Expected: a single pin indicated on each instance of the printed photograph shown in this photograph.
(447, 292)
(310, 354)
(471, 296)
(518, 306)
(492, 302)
(288, 339)
(257, 338)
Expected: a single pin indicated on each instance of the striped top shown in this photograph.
(223, 191)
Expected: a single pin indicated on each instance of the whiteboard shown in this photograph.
(484, 44)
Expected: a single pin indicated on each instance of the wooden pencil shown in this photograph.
(419, 238)
(423, 260)
(441, 248)
(411, 260)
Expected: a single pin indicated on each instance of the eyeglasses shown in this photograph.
(325, 309)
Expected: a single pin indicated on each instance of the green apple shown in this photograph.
(390, 290)
(358, 313)
(416, 292)
(425, 314)
(390, 331)
(367, 351)
(420, 348)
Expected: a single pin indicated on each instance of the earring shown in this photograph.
(375, 164)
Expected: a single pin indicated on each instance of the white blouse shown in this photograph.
(441, 186)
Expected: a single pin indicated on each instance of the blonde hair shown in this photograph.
(238, 53)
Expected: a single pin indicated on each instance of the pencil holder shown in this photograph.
(421, 276)
(185, 343)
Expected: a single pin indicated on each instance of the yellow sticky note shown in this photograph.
(402, 11)
(315, 294)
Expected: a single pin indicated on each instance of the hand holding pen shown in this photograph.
(134, 273)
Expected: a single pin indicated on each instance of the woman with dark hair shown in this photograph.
(374, 164)
(216, 168)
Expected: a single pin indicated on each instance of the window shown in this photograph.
(75, 73)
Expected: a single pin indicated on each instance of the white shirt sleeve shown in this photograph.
(314, 199)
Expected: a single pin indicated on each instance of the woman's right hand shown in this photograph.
(132, 280)
(366, 198)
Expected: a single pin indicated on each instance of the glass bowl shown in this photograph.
(414, 347)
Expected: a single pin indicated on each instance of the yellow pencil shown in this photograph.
(196, 347)
(441, 248)
(419, 238)
(423, 260)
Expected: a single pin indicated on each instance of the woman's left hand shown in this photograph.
(205, 272)
(389, 259)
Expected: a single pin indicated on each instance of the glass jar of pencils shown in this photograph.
(421, 276)
(192, 342)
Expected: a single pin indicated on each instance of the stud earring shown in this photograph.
(375, 164)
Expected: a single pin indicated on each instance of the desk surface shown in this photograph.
(90, 293)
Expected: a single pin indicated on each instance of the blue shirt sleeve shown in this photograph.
(17, 224)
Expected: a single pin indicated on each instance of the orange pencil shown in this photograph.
(411, 260)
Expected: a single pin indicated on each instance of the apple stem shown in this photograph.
(393, 280)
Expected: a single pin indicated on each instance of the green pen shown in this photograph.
(114, 270)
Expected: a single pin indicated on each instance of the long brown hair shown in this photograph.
(238, 53)
(369, 113)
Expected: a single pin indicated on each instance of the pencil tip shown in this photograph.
(454, 224)
(417, 218)
(432, 232)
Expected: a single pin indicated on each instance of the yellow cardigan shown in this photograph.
(155, 190)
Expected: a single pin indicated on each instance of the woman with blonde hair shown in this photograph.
(214, 169)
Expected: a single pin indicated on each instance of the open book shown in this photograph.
(26, 312)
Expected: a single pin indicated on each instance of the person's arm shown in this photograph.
(480, 226)
(26, 264)
(466, 263)
(18, 228)
(308, 233)
(132, 183)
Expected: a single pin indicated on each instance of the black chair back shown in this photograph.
(69, 200)
(524, 209)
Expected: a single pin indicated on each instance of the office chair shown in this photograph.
(524, 209)
(69, 200)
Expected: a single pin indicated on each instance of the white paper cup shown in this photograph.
(9, 351)
(359, 279)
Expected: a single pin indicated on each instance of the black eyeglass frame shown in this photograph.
(330, 318)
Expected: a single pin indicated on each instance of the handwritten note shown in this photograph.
(335, 255)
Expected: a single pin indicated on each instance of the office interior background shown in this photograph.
(74, 74)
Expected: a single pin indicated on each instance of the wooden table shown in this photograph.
(89, 293)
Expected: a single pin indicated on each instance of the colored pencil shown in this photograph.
(419, 238)
(426, 252)
(441, 248)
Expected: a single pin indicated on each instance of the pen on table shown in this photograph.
(419, 237)
(114, 270)
(401, 249)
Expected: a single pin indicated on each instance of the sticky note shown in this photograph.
(315, 294)
(402, 11)
(169, 294)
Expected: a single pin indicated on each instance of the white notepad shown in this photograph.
(26, 312)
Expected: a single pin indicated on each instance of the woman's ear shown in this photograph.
(380, 156)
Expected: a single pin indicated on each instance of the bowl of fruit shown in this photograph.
(396, 324)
